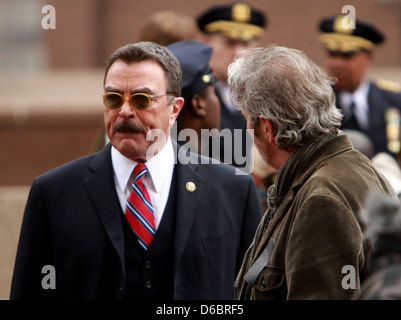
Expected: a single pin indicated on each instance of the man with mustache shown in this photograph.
(131, 222)
(127, 127)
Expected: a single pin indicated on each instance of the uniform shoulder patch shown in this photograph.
(388, 85)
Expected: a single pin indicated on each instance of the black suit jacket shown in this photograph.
(72, 222)
(379, 101)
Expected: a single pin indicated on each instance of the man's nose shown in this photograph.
(126, 109)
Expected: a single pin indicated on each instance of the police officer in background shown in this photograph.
(371, 107)
(229, 28)
(201, 108)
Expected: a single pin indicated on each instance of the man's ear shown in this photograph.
(177, 106)
(198, 106)
(267, 128)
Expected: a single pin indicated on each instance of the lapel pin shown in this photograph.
(190, 186)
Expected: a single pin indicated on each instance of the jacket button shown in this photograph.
(263, 284)
(147, 264)
(148, 284)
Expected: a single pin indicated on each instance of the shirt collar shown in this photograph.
(158, 166)
(359, 96)
(224, 92)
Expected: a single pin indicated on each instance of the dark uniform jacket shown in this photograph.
(382, 98)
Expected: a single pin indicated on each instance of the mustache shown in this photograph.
(126, 126)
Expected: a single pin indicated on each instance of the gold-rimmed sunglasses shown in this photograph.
(138, 101)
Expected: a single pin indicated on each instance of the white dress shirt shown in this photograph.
(360, 99)
(224, 91)
(157, 180)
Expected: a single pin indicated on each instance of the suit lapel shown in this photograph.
(100, 186)
(189, 193)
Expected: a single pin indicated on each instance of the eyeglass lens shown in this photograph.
(113, 101)
(138, 101)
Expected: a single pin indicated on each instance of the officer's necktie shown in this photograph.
(352, 120)
(139, 211)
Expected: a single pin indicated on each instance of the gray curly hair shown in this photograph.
(286, 87)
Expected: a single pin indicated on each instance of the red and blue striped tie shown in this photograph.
(139, 211)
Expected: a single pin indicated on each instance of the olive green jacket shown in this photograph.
(313, 247)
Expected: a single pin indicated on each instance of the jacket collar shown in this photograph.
(337, 145)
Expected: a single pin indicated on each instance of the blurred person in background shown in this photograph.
(229, 28)
(369, 106)
(201, 110)
(165, 27)
(360, 142)
(383, 219)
